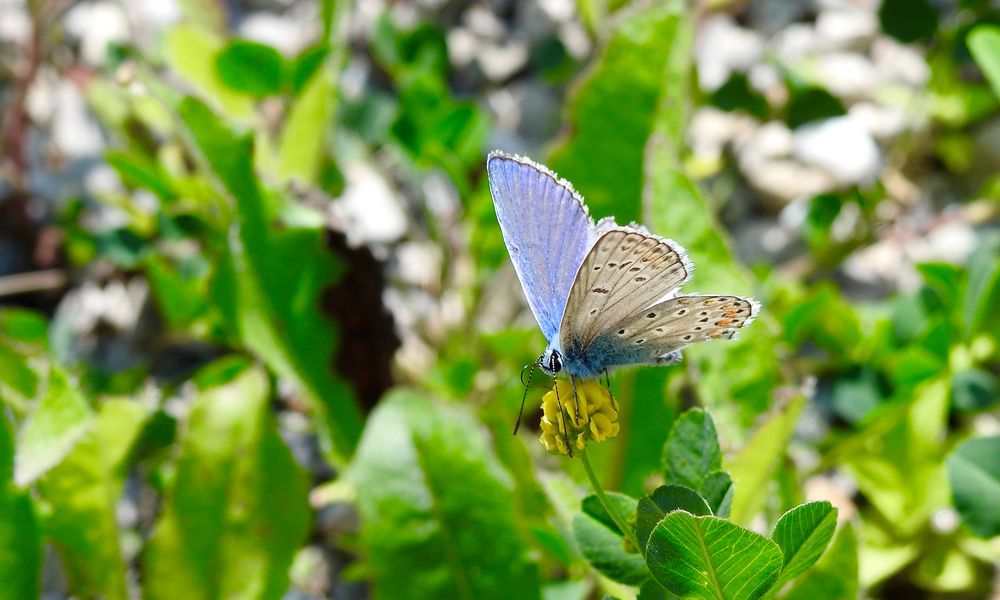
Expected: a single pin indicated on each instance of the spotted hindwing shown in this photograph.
(680, 321)
(625, 271)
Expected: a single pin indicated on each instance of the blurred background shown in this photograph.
(260, 338)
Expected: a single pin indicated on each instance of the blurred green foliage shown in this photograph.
(237, 257)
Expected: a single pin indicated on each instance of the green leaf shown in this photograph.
(835, 576)
(635, 58)
(897, 461)
(711, 559)
(430, 494)
(718, 492)
(137, 171)
(251, 68)
(238, 509)
(753, 466)
(59, 418)
(20, 535)
(692, 450)
(974, 474)
(803, 534)
(625, 506)
(79, 500)
(908, 20)
(270, 286)
(982, 291)
(974, 390)
(301, 147)
(984, 44)
(188, 50)
(604, 549)
(664, 500)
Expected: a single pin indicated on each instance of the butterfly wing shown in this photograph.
(656, 333)
(625, 271)
(547, 231)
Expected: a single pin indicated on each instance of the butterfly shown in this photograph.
(604, 295)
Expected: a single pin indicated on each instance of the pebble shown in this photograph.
(369, 211)
(96, 25)
(723, 47)
(840, 146)
(850, 29)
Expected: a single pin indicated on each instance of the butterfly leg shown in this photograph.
(607, 379)
(576, 399)
(565, 430)
(520, 412)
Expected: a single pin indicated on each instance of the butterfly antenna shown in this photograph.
(531, 373)
(607, 378)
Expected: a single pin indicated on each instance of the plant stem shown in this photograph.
(606, 502)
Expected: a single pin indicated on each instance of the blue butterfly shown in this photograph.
(604, 295)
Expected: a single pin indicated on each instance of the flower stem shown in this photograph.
(606, 502)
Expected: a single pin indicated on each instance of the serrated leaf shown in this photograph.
(80, 497)
(803, 533)
(59, 418)
(270, 285)
(238, 509)
(692, 450)
(664, 500)
(711, 559)
(753, 466)
(437, 510)
(835, 576)
(974, 474)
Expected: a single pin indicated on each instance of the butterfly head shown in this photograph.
(550, 362)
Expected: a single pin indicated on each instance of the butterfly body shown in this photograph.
(604, 295)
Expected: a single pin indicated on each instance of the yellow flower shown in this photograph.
(589, 415)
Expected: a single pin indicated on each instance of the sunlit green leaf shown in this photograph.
(20, 535)
(60, 416)
(664, 500)
(835, 576)
(984, 43)
(711, 559)
(605, 550)
(803, 533)
(238, 509)
(753, 466)
(189, 50)
(79, 499)
(635, 58)
(270, 286)
(430, 496)
(301, 146)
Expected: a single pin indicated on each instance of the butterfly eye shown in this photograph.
(555, 364)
